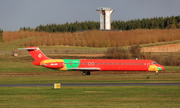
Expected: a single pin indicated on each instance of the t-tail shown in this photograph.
(37, 54)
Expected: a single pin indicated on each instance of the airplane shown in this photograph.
(87, 65)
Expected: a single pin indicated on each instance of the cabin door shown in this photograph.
(148, 64)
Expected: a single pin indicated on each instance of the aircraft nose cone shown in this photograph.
(162, 67)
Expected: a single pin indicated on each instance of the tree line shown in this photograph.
(145, 23)
(1, 30)
(67, 27)
(148, 23)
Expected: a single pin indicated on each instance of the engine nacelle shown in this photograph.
(54, 65)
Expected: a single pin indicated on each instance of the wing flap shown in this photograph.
(85, 69)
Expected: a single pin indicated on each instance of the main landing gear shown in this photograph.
(86, 73)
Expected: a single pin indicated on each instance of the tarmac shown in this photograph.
(90, 84)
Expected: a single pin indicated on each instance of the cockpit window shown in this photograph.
(154, 63)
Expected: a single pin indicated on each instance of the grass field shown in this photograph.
(160, 43)
(88, 97)
(78, 78)
(19, 70)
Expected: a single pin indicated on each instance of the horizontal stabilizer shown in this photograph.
(31, 48)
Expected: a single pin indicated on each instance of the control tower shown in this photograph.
(105, 17)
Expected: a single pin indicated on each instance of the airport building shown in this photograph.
(105, 17)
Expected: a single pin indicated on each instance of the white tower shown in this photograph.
(105, 17)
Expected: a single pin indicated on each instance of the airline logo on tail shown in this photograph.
(40, 55)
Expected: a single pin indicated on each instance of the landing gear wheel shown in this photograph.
(84, 73)
(156, 73)
(88, 73)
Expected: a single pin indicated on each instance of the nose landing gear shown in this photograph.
(86, 73)
(156, 73)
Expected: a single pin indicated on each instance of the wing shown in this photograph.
(84, 69)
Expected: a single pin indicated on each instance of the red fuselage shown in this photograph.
(118, 65)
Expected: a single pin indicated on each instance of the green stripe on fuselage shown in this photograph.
(72, 63)
(159, 69)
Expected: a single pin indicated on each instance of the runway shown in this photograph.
(91, 84)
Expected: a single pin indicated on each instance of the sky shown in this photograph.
(31, 13)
